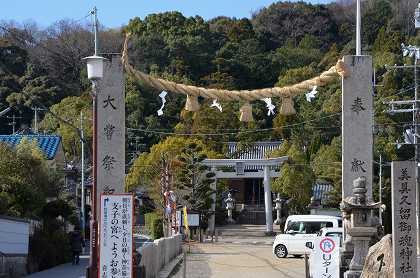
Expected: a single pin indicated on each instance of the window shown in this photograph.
(297, 227)
(310, 227)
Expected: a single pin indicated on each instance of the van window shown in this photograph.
(340, 223)
(307, 227)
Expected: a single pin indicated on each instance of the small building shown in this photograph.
(14, 244)
(50, 145)
(249, 191)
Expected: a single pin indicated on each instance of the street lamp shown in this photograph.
(95, 70)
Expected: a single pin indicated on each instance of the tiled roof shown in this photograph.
(47, 143)
(258, 150)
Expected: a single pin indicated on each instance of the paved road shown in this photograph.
(239, 261)
(64, 270)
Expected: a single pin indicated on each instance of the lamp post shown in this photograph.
(95, 73)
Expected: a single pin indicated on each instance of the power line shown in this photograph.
(231, 133)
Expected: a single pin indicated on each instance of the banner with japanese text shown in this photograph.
(116, 236)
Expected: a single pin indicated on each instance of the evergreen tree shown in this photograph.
(194, 181)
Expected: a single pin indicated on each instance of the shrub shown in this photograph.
(154, 224)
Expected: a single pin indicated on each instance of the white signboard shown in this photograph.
(111, 129)
(116, 236)
(193, 219)
(404, 218)
(325, 258)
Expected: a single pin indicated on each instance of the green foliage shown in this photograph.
(49, 245)
(69, 109)
(194, 180)
(154, 224)
(25, 180)
(296, 177)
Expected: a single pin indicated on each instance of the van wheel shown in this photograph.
(280, 251)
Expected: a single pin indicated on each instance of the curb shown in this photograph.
(169, 268)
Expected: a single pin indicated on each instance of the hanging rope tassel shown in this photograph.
(246, 113)
(287, 107)
(192, 103)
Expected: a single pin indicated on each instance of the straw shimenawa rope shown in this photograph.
(287, 93)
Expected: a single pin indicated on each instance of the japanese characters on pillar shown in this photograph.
(116, 234)
(357, 123)
(404, 236)
(111, 129)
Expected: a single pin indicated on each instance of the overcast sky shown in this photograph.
(114, 13)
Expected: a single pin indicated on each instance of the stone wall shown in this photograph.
(156, 255)
(12, 266)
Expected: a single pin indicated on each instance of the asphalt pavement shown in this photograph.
(65, 270)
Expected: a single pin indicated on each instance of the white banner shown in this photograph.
(116, 236)
(325, 258)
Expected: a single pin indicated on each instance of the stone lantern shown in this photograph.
(359, 227)
(280, 204)
(230, 206)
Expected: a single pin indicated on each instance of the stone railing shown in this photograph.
(156, 255)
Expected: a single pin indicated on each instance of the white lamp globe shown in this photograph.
(95, 67)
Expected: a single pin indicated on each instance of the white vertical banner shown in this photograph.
(404, 234)
(116, 236)
(357, 123)
(325, 258)
(111, 129)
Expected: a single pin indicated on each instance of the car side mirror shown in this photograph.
(309, 244)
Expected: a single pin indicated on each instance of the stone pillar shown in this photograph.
(357, 123)
(212, 219)
(267, 201)
(111, 130)
(403, 184)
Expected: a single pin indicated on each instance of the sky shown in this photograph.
(115, 13)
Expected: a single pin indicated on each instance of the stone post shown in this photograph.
(268, 202)
(111, 130)
(357, 123)
(212, 219)
(278, 209)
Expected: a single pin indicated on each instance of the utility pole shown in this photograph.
(36, 109)
(380, 189)
(411, 51)
(13, 122)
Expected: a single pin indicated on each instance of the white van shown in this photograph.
(300, 229)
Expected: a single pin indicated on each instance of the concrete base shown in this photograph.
(270, 233)
(352, 274)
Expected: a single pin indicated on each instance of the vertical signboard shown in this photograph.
(325, 258)
(404, 236)
(111, 129)
(357, 123)
(116, 236)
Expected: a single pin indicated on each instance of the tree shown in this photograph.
(194, 181)
(69, 110)
(296, 177)
(25, 180)
(283, 20)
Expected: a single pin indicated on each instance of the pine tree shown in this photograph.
(194, 181)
